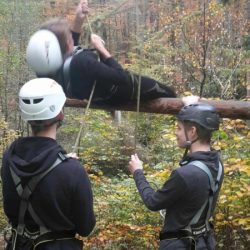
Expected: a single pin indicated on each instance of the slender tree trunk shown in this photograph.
(248, 41)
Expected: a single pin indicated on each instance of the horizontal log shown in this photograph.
(226, 109)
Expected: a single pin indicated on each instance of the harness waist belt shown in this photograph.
(50, 236)
(174, 235)
(183, 233)
(199, 230)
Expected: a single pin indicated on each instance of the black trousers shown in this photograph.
(127, 91)
(150, 88)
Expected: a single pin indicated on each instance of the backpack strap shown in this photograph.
(26, 192)
(214, 185)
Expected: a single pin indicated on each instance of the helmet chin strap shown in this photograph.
(188, 143)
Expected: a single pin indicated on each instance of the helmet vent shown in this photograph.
(26, 101)
(52, 108)
(35, 101)
(209, 120)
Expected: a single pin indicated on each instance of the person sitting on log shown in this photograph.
(50, 53)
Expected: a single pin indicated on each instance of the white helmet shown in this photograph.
(41, 99)
(43, 53)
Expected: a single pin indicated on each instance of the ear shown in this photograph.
(192, 132)
(60, 117)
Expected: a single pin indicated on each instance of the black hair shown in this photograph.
(204, 134)
(41, 125)
(61, 28)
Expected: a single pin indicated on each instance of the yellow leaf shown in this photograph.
(163, 174)
(243, 221)
(237, 138)
(187, 93)
(217, 147)
(248, 135)
(239, 194)
(219, 216)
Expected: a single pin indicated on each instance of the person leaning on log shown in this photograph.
(51, 46)
(190, 194)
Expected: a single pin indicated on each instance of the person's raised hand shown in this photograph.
(97, 42)
(82, 9)
(134, 164)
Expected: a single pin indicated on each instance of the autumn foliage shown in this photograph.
(199, 47)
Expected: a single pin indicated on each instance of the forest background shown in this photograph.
(198, 46)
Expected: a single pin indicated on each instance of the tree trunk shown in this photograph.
(227, 109)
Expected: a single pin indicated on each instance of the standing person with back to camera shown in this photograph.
(47, 196)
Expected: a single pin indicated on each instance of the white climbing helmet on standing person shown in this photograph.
(43, 53)
(41, 99)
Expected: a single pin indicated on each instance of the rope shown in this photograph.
(137, 110)
(77, 142)
(78, 138)
(139, 81)
(89, 25)
(138, 94)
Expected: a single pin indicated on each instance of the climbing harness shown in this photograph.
(21, 233)
(214, 185)
(66, 71)
(190, 232)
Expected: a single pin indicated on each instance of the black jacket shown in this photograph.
(114, 85)
(183, 193)
(110, 78)
(63, 199)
